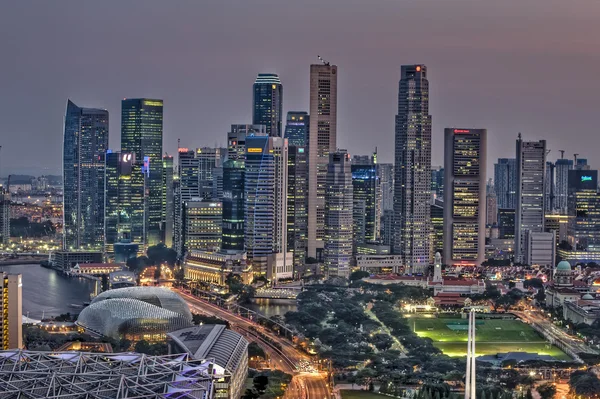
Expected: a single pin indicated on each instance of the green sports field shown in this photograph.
(349, 394)
(493, 336)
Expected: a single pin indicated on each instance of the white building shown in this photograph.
(379, 264)
(539, 248)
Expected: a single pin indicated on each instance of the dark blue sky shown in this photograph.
(508, 66)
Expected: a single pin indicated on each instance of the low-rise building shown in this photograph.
(585, 310)
(213, 267)
(95, 269)
(65, 260)
(380, 263)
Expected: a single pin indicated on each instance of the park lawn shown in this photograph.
(457, 349)
(487, 330)
(350, 394)
(493, 336)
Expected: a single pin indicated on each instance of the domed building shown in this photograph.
(136, 313)
(563, 274)
(561, 289)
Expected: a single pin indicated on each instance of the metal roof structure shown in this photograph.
(62, 375)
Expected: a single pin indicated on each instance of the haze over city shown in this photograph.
(509, 66)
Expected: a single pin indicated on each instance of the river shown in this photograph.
(271, 308)
(45, 292)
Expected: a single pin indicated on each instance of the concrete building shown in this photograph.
(168, 208)
(125, 207)
(265, 187)
(539, 248)
(531, 169)
(561, 289)
(202, 225)
(464, 196)
(412, 174)
(437, 224)
(505, 182)
(197, 172)
(66, 260)
(11, 299)
(214, 267)
(85, 144)
(437, 182)
(386, 181)
(236, 140)
(322, 140)
(296, 128)
(506, 223)
(268, 103)
(297, 203)
(4, 216)
(380, 264)
(228, 349)
(142, 136)
(338, 215)
(491, 206)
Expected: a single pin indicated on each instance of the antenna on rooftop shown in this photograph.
(322, 60)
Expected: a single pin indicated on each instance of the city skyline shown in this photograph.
(532, 111)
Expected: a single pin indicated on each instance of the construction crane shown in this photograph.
(562, 154)
(322, 60)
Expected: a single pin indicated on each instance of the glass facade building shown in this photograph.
(505, 182)
(142, 135)
(125, 191)
(268, 103)
(234, 174)
(202, 223)
(367, 197)
(85, 144)
(297, 203)
(296, 128)
(584, 210)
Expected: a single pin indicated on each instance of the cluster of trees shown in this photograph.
(269, 384)
(154, 349)
(204, 319)
(584, 384)
(22, 227)
(35, 338)
(155, 255)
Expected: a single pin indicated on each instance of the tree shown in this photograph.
(260, 383)
(547, 390)
(584, 383)
(179, 274)
(254, 350)
(534, 283)
(359, 274)
(159, 254)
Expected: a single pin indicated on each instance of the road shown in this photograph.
(303, 385)
(573, 343)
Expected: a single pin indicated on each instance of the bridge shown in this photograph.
(277, 293)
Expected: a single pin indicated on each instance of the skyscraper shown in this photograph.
(125, 194)
(437, 182)
(412, 186)
(268, 103)
(322, 135)
(233, 206)
(505, 182)
(464, 196)
(188, 174)
(11, 304)
(202, 225)
(236, 140)
(584, 210)
(265, 188)
(366, 191)
(168, 209)
(338, 215)
(561, 193)
(549, 195)
(531, 168)
(296, 128)
(142, 135)
(4, 215)
(297, 203)
(386, 179)
(85, 145)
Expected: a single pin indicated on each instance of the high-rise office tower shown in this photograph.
(85, 145)
(338, 215)
(125, 200)
(506, 223)
(297, 203)
(549, 195)
(188, 174)
(178, 217)
(581, 164)
(142, 135)
(386, 180)
(584, 210)
(11, 301)
(202, 225)
(437, 222)
(168, 209)
(234, 174)
(412, 186)
(296, 128)
(387, 227)
(322, 135)
(464, 196)
(236, 140)
(4, 215)
(268, 103)
(531, 168)
(561, 193)
(366, 195)
(437, 182)
(491, 212)
(265, 188)
(505, 182)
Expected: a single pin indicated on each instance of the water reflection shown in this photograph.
(269, 307)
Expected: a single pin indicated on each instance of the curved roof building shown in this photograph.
(147, 313)
(157, 296)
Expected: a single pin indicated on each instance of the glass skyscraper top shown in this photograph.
(296, 128)
(268, 103)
